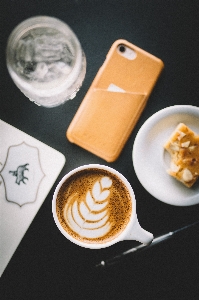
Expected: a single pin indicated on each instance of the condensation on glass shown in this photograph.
(45, 60)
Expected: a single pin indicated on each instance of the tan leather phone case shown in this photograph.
(115, 100)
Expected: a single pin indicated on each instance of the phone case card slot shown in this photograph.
(103, 125)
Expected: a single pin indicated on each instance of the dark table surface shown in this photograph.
(46, 265)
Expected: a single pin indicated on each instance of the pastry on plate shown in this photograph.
(183, 146)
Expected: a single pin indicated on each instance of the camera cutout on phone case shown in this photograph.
(126, 52)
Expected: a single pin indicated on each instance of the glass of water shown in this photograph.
(45, 60)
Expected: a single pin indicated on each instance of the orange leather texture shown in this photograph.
(105, 119)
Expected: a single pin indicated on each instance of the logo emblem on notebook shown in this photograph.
(22, 174)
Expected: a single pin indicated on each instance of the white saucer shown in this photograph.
(151, 161)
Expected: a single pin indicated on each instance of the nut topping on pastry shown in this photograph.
(183, 146)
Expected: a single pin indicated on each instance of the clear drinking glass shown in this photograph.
(45, 60)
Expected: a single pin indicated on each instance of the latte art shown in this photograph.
(93, 205)
(89, 216)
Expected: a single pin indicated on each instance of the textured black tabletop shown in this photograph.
(46, 265)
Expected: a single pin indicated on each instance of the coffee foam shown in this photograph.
(93, 205)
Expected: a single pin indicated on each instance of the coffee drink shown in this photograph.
(93, 205)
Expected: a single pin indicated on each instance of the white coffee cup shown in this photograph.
(132, 230)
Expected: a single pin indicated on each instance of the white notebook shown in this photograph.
(28, 170)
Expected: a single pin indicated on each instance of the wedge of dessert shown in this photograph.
(183, 146)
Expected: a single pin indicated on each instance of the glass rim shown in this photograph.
(37, 22)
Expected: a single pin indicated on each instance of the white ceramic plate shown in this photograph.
(151, 161)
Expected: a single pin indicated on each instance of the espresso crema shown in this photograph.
(93, 206)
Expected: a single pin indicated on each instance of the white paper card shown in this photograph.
(114, 88)
(28, 170)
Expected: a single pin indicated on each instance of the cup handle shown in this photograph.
(139, 234)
